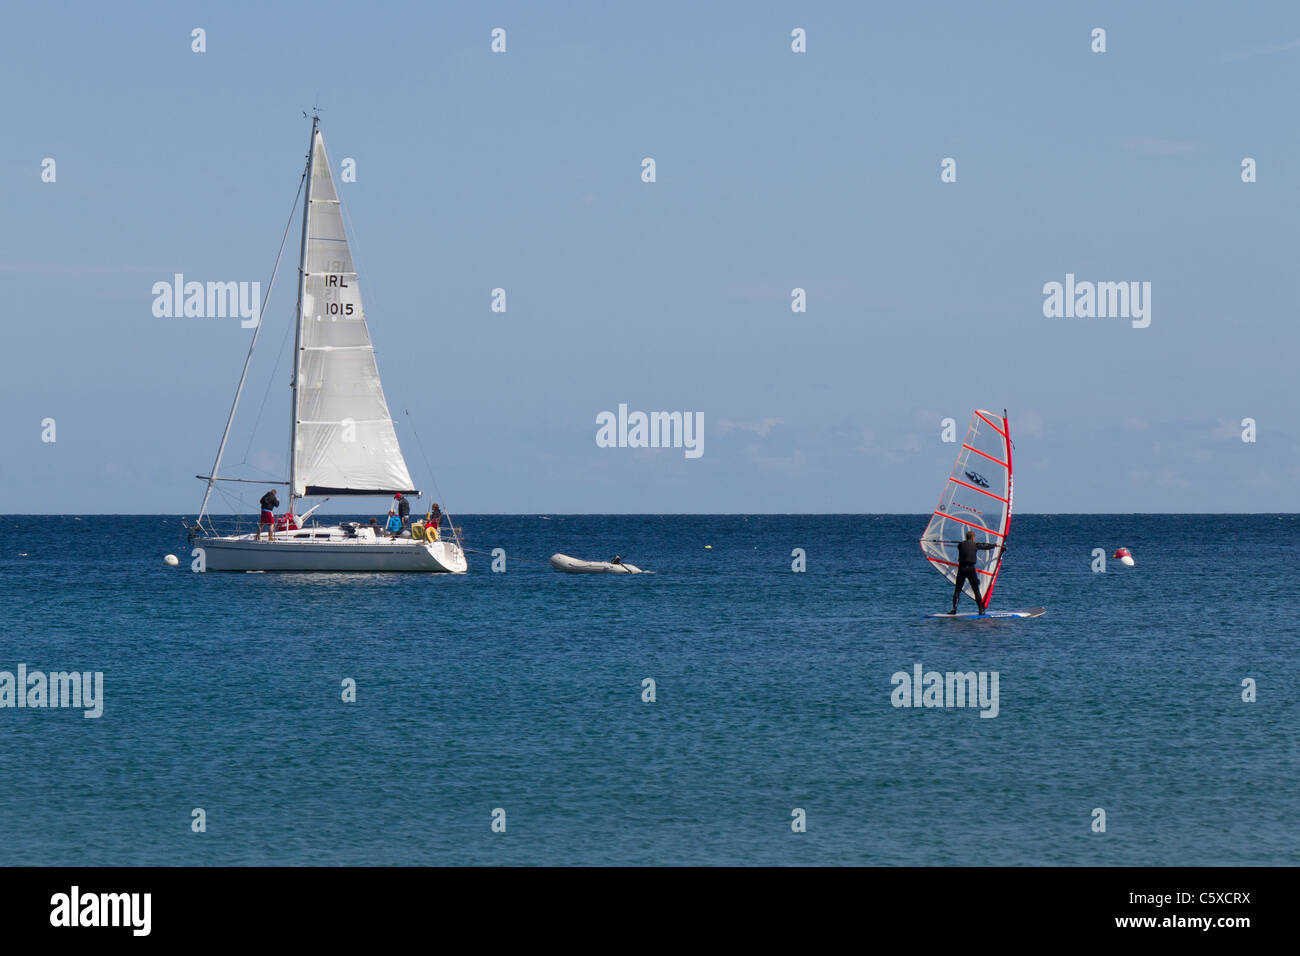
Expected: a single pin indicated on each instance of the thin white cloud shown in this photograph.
(1154, 146)
(795, 462)
(1239, 55)
(76, 270)
(1226, 430)
(820, 291)
(761, 429)
(1029, 424)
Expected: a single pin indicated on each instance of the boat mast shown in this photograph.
(297, 332)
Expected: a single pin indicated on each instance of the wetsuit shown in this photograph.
(967, 552)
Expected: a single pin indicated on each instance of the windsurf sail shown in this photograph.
(976, 497)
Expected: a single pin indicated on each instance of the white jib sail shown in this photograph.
(976, 497)
(346, 443)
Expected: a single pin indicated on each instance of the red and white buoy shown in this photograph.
(1124, 557)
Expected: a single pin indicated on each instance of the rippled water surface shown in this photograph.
(523, 691)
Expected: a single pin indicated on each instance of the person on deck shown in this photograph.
(269, 503)
(403, 509)
(431, 522)
(967, 552)
(394, 525)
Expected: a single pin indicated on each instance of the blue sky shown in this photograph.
(775, 170)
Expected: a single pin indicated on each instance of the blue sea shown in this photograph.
(522, 692)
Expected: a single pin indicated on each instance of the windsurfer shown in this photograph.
(967, 552)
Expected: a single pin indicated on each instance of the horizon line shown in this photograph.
(663, 514)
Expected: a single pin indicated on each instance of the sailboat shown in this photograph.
(342, 438)
(976, 497)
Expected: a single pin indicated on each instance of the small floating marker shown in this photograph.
(708, 547)
(1124, 557)
(171, 561)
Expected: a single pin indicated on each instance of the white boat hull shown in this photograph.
(335, 553)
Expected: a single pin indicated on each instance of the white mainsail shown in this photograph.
(976, 497)
(344, 440)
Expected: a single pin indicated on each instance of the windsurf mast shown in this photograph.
(1011, 486)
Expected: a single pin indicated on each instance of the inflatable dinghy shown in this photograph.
(562, 562)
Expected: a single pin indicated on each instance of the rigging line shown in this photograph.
(236, 506)
(273, 477)
(512, 558)
(353, 246)
(267, 394)
(252, 435)
(429, 470)
(251, 345)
